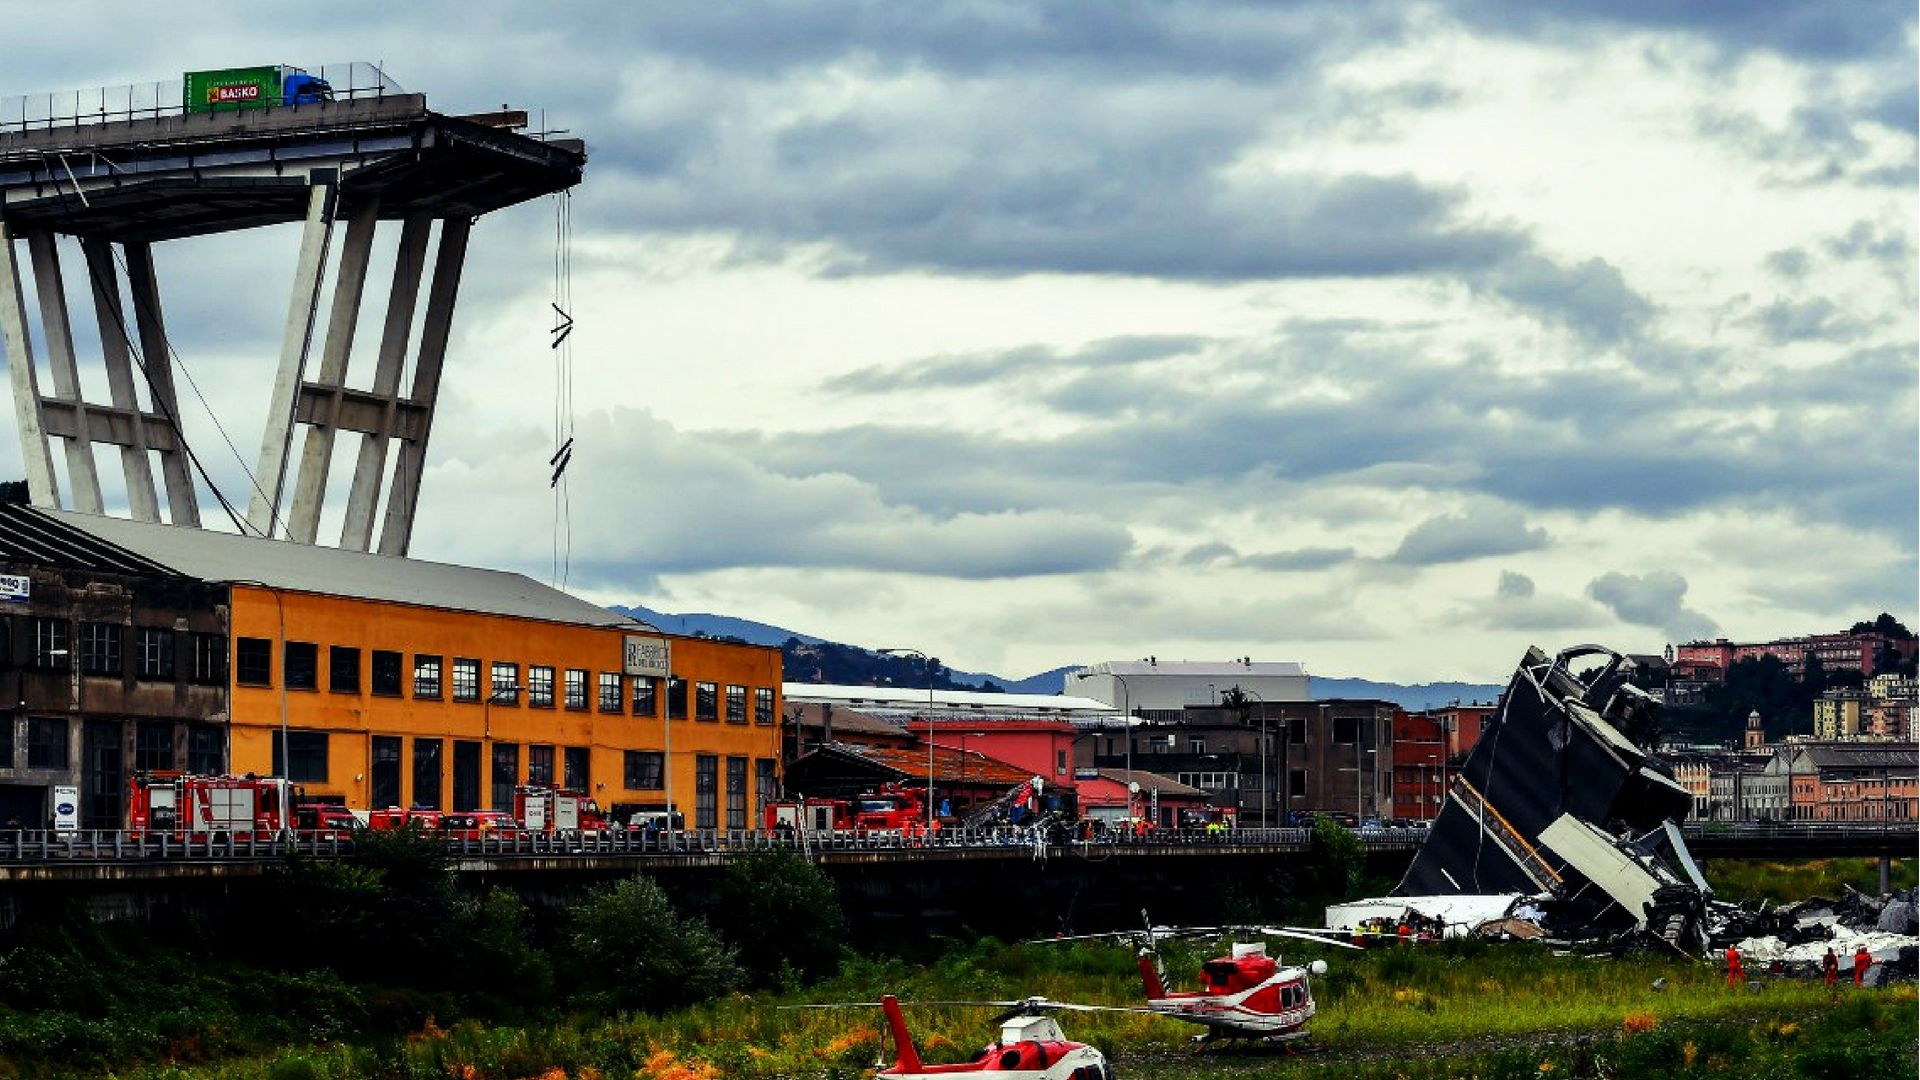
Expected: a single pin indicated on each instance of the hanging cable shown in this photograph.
(562, 348)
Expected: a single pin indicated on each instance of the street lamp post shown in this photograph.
(1266, 794)
(928, 661)
(1126, 727)
(501, 693)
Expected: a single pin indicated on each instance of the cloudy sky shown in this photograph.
(1385, 337)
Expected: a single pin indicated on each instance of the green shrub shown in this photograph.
(629, 949)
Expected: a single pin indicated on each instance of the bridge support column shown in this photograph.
(269, 480)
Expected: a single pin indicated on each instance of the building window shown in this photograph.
(384, 788)
(576, 689)
(676, 698)
(343, 669)
(1060, 762)
(645, 770)
(1297, 732)
(1159, 744)
(1196, 744)
(154, 652)
(426, 769)
(1297, 784)
(206, 750)
(466, 775)
(49, 643)
(302, 665)
(6, 740)
(6, 641)
(539, 766)
(612, 692)
(737, 787)
(766, 787)
(100, 648)
(645, 696)
(505, 685)
(540, 686)
(1346, 729)
(386, 673)
(506, 774)
(466, 680)
(305, 760)
(426, 681)
(706, 701)
(706, 791)
(736, 704)
(46, 742)
(210, 660)
(253, 662)
(153, 746)
(763, 705)
(578, 762)
(1210, 781)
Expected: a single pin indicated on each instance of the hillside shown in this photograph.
(814, 659)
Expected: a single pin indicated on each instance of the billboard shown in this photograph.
(648, 657)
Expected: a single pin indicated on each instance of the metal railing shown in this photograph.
(106, 846)
(147, 101)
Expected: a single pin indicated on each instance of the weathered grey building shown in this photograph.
(110, 663)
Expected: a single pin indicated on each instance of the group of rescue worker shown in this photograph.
(1829, 966)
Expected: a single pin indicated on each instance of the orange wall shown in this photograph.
(352, 719)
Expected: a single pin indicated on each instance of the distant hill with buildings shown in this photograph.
(814, 659)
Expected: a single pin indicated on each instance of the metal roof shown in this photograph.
(30, 537)
(963, 702)
(283, 564)
(1200, 668)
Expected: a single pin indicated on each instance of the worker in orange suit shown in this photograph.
(1735, 973)
(1830, 966)
(1862, 960)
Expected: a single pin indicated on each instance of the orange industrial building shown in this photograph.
(381, 681)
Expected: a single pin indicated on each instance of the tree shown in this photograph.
(629, 949)
(783, 915)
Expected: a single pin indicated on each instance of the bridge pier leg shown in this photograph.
(1886, 874)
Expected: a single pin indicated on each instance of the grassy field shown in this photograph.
(1455, 1011)
(1783, 882)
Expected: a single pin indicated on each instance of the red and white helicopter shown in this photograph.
(1031, 1046)
(1247, 994)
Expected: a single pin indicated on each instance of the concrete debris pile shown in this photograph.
(1790, 940)
(1562, 799)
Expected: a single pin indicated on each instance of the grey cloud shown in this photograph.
(1802, 28)
(1205, 554)
(1791, 263)
(1517, 605)
(1814, 319)
(1304, 559)
(1514, 586)
(730, 512)
(1460, 537)
(1591, 298)
(1652, 599)
(975, 368)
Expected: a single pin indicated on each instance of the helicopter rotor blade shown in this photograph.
(1321, 938)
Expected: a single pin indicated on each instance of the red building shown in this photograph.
(1427, 749)
(1837, 652)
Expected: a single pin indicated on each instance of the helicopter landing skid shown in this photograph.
(1293, 1043)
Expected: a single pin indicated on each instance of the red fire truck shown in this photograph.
(556, 810)
(185, 806)
(810, 816)
(894, 806)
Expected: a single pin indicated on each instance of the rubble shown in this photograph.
(1563, 825)
(1562, 798)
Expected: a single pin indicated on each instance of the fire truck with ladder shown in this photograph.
(185, 806)
(556, 810)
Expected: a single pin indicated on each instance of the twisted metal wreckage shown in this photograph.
(1562, 798)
